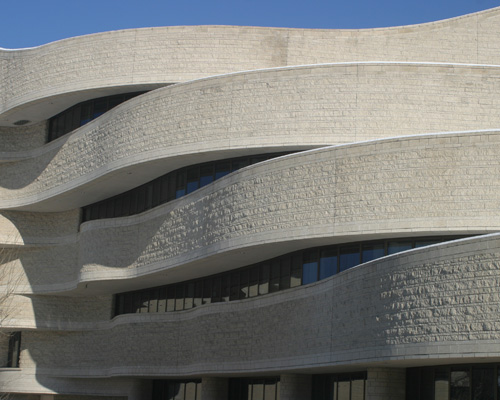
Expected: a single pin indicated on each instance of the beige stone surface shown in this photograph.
(263, 111)
(175, 54)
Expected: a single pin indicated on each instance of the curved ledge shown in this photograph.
(406, 186)
(409, 305)
(220, 117)
(174, 54)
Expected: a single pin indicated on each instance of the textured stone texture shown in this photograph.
(224, 116)
(173, 54)
(427, 304)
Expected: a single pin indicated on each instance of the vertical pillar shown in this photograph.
(295, 387)
(385, 384)
(214, 388)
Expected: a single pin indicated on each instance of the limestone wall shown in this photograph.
(174, 54)
(247, 113)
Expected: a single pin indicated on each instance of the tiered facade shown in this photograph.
(229, 213)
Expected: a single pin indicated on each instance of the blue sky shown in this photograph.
(28, 23)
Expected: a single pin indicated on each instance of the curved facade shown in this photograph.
(252, 213)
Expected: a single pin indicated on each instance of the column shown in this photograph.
(214, 388)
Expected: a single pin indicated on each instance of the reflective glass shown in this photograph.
(459, 385)
(349, 257)
(372, 251)
(483, 383)
(328, 263)
(396, 247)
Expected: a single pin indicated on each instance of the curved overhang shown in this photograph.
(246, 113)
(157, 56)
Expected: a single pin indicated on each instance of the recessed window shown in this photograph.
(82, 113)
(14, 351)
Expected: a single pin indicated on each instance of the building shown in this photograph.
(322, 225)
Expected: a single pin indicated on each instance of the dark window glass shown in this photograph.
(162, 300)
(216, 289)
(422, 243)
(274, 281)
(460, 385)
(310, 267)
(222, 168)
(235, 286)
(348, 257)
(14, 350)
(244, 280)
(207, 291)
(188, 296)
(180, 185)
(253, 289)
(171, 298)
(179, 297)
(225, 287)
(372, 251)
(483, 383)
(296, 274)
(193, 178)
(398, 246)
(264, 278)
(328, 263)
(206, 174)
(286, 271)
(198, 294)
(82, 113)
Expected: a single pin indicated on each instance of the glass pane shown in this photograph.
(180, 184)
(192, 179)
(100, 107)
(207, 291)
(349, 257)
(285, 273)
(238, 164)
(372, 251)
(244, 277)
(358, 389)
(274, 281)
(264, 279)
(396, 247)
(344, 390)
(483, 383)
(225, 288)
(188, 296)
(422, 243)
(459, 385)
(216, 289)
(441, 386)
(254, 282)
(206, 175)
(162, 300)
(328, 263)
(179, 297)
(222, 169)
(171, 298)
(296, 276)
(198, 294)
(235, 286)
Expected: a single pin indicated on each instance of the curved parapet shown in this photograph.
(68, 71)
(247, 113)
(408, 186)
(423, 306)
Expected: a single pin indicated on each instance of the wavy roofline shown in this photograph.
(385, 28)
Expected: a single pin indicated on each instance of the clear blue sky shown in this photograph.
(28, 23)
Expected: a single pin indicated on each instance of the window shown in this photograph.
(280, 273)
(14, 350)
(82, 113)
(267, 388)
(177, 389)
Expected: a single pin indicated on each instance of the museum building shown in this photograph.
(249, 213)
